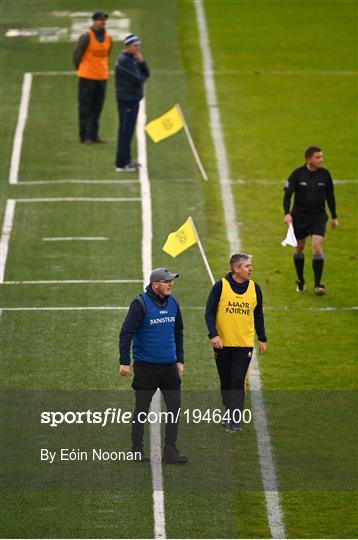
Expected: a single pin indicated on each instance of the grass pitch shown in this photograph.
(285, 78)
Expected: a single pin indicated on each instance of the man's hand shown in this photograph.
(138, 56)
(287, 219)
(216, 342)
(180, 368)
(262, 347)
(334, 223)
(124, 371)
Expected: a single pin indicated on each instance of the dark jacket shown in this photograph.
(130, 78)
(238, 288)
(133, 321)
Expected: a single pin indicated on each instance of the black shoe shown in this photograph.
(320, 289)
(172, 455)
(138, 453)
(300, 286)
(127, 168)
(98, 140)
(234, 427)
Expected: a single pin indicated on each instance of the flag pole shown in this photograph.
(201, 249)
(192, 145)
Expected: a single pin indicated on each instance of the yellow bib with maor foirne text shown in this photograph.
(235, 316)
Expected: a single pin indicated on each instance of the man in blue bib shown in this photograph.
(154, 328)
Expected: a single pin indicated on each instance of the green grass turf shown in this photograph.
(279, 90)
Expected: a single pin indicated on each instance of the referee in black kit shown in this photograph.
(312, 186)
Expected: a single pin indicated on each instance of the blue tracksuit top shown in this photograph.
(154, 342)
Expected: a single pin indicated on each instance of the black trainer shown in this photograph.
(171, 454)
(138, 453)
(300, 286)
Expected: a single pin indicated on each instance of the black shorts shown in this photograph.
(308, 224)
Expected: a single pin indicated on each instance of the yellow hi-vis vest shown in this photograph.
(94, 62)
(235, 316)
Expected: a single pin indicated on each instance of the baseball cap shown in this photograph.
(131, 39)
(98, 15)
(162, 274)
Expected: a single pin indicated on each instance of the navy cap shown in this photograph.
(99, 15)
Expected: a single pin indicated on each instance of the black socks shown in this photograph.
(317, 265)
(299, 261)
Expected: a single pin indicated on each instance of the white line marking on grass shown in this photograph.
(75, 238)
(123, 308)
(217, 133)
(53, 73)
(210, 71)
(281, 182)
(267, 465)
(147, 233)
(5, 235)
(311, 308)
(268, 473)
(283, 72)
(21, 122)
(71, 281)
(74, 181)
(68, 308)
(79, 199)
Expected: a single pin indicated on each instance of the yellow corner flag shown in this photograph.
(166, 125)
(180, 240)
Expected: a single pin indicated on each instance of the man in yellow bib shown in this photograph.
(233, 314)
(91, 60)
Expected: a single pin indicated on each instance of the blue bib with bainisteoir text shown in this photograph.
(154, 342)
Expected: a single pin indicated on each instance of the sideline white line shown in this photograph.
(147, 233)
(268, 472)
(217, 133)
(281, 182)
(210, 71)
(21, 122)
(71, 281)
(123, 308)
(75, 238)
(67, 308)
(74, 181)
(5, 235)
(79, 199)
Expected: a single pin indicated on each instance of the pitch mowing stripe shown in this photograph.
(19, 133)
(147, 234)
(5, 235)
(268, 473)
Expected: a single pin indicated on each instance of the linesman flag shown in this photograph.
(180, 240)
(166, 125)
